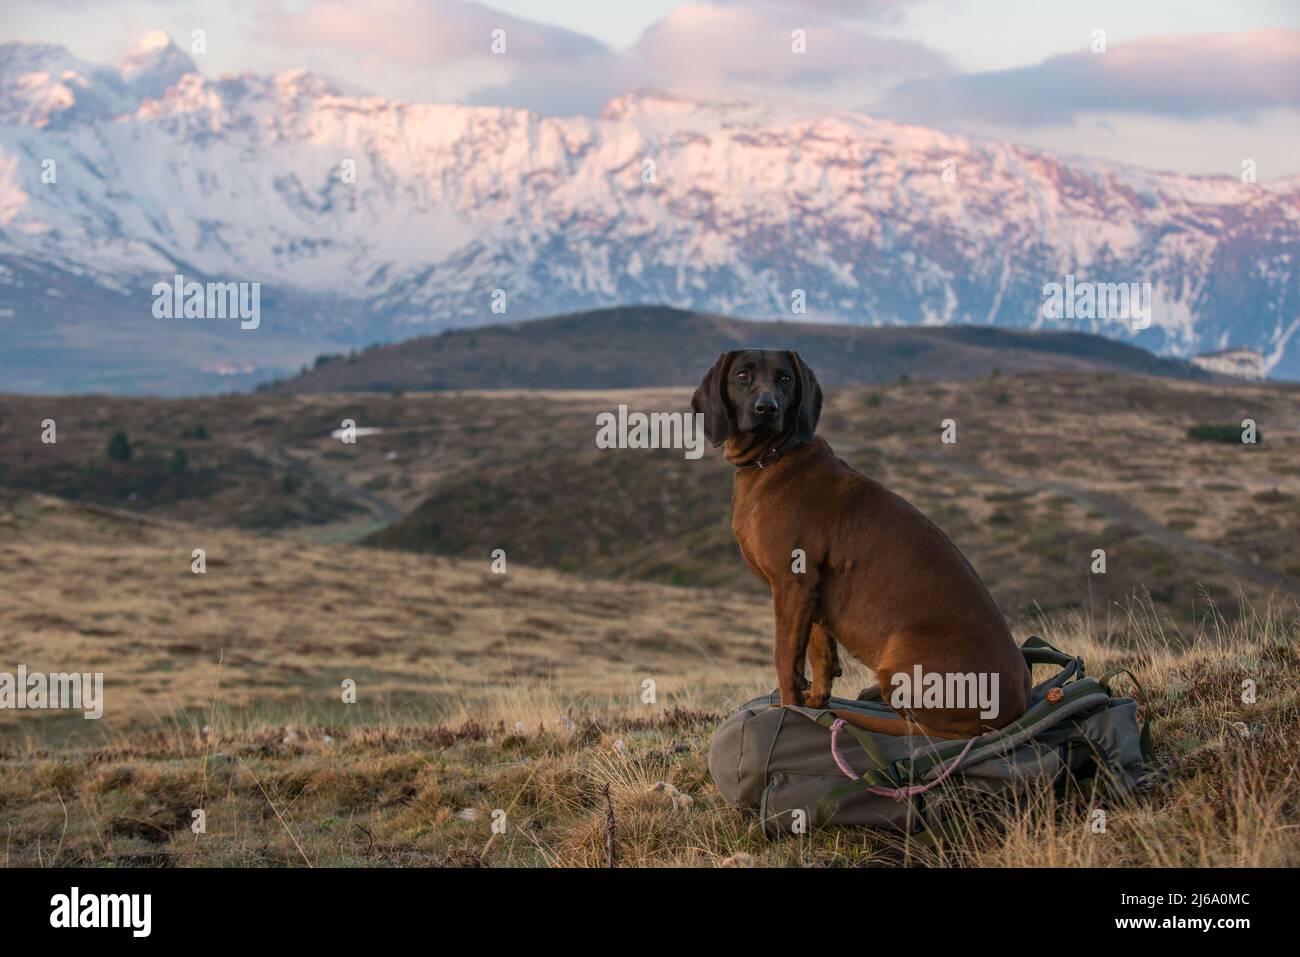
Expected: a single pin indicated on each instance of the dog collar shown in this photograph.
(772, 455)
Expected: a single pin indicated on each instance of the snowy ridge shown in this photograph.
(249, 178)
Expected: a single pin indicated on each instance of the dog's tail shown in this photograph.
(896, 726)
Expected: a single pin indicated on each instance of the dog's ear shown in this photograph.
(711, 399)
(809, 408)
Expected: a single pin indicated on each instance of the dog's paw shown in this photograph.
(811, 700)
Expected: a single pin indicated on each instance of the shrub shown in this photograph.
(1272, 497)
(1230, 434)
(179, 462)
(119, 448)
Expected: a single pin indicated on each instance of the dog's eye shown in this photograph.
(742, 376)
(785, 378)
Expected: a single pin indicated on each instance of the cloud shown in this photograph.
(721, 45)
(421, 33)
(881, 10)
(441, 50)
(1187, 77)
(568, 87)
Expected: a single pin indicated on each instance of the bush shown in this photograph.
(1231, 434)
(179, 462)
(119, 448)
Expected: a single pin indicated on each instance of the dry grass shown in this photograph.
(480, 693)
(1047, 468)
(113, 593)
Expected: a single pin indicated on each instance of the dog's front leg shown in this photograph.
(795, 604)
(825, 662)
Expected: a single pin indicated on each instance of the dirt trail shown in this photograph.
(384, 510)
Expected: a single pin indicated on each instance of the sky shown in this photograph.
(1197, 86)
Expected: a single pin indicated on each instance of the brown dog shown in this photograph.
(877, 576)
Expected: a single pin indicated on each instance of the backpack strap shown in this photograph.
(911, 790)
(1039, 652)
(1145, 742)
(865, 741)
(885, 779)
(1104, 681)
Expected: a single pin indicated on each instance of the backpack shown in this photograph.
(782, 761)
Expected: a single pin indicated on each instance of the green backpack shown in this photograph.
(803, 766)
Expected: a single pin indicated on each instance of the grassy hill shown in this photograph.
(640, 346)
(522, 693)
(1047, 468)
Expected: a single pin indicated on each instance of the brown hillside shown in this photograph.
(644, 346)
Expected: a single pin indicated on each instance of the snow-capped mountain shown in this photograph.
(364, 218)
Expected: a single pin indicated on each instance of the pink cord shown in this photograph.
(897, 794)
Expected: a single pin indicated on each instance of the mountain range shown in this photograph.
(363, 219)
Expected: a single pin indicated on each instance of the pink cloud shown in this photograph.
(423, 31)
(1191, 76)
(723, 44)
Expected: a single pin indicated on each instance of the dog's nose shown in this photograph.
(765, 405)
